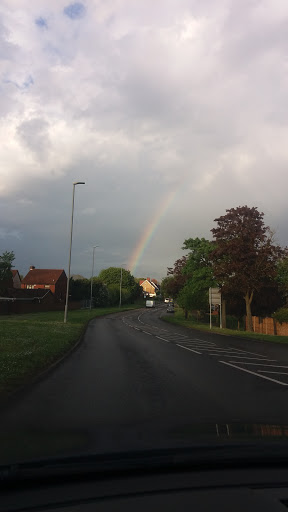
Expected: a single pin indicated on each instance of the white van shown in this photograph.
(150, 303)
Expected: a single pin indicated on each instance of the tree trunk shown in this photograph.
(248, 300)
(224, 314)
(186, 314)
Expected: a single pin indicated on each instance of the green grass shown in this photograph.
(32, 342)
(178, 319)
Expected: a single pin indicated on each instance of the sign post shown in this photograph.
(215, 299)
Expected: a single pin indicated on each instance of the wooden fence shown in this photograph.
(269, 326)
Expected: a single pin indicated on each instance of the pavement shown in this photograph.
(137, 382)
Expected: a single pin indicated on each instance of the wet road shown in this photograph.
(136, 381)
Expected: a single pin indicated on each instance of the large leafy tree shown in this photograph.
(199, 274)
(130, 288)
(176, 278)
(6, 264)
(244, 256)
(282, 278)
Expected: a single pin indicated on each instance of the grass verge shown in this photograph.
(178, 319)
(31, 343)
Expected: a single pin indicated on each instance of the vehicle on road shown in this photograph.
(167, 300)
(150, 304)
(170, 309)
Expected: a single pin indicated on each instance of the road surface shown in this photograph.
(136, 381)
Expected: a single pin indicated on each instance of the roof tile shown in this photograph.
(43, 276)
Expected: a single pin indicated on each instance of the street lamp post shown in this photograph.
(69, 264)
(94, 247)
(120, 294)
(120, 291)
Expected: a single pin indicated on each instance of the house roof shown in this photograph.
(142, 281)
(14, 272)
(42, 276)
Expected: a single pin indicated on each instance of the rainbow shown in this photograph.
(149, 231)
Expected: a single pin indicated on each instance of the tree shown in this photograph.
(6, 264)
(111, 278)
(79, 289)
(282, 278)
(199, 274)
(100, 293)
(244, 256)
(177, 278)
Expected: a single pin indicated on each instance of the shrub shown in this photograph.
(281, 315)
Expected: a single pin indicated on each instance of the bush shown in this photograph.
(281, 315)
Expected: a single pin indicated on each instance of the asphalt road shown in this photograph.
(137, 382)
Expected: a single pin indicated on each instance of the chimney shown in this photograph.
(31, 267)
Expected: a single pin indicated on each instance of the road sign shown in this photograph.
(214, 299)
(214, 296)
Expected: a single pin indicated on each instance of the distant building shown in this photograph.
(149, 287)
(16, 279)
(50, 279)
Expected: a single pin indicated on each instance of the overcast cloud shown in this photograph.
(138, 98)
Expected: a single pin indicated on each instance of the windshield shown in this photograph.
(143, 231)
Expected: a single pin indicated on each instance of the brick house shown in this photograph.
(149, 287)
(50, 279)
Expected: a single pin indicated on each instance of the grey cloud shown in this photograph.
(34, 133)
(137, 102)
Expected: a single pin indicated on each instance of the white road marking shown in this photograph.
(267, 371)
(139, 318)
(247, 352)
(159, 338)
(205, 344)
(174, 339)
(136, 328)
(191, 350)
(149, 333)
(259, 364)
(244, 357)
(219, 350)
(254, 373)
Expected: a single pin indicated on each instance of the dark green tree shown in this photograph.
(199, 272)
(111, 276)
(6, 264)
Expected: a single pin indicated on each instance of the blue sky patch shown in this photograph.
(41, 22)
(22, 87)
(75, 11)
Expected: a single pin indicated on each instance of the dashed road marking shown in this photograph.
(186, 348)
(254, 373)
(259, 364)
(267, 371)
(209, 348)
(244, 357)
(159, 338)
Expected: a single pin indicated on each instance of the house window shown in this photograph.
(47, 286)
(30, 286)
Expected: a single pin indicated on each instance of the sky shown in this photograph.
(170, 111)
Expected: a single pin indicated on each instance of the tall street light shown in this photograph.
(120, 291)
(94, 247)
(71, 233)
